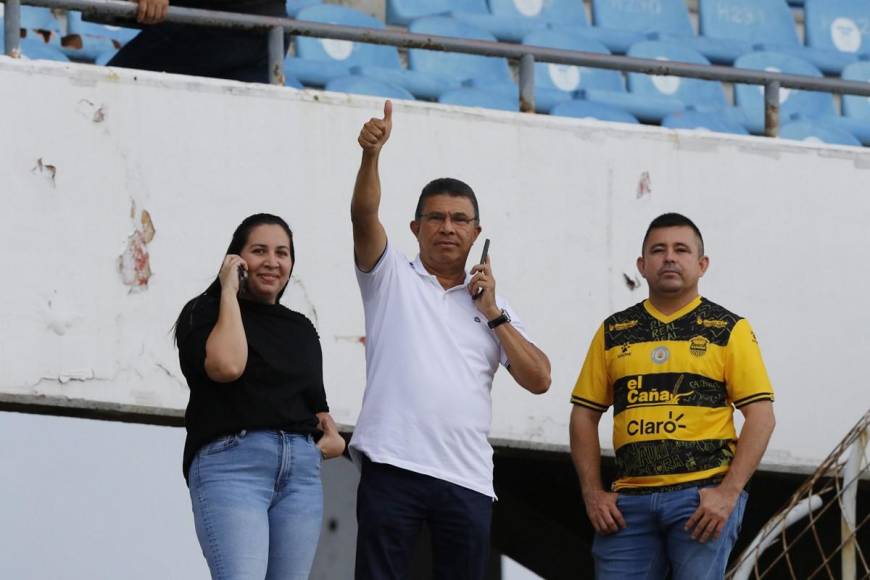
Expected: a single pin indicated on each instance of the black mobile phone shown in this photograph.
(482, 261)
(243, 276)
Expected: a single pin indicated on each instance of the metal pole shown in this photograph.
(527, 83)
(771, 108)
(12, 28)
(851, 475)
(276, 55)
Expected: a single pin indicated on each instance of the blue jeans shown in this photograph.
(654, 540)
(258, 505)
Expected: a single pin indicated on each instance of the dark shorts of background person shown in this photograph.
(393, 504)
(200, 51)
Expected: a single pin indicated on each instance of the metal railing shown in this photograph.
(525, 56)
(832, 488)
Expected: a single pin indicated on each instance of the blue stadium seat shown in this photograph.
(512, 20)
(96, 39)
(103, 58)
(555, 83)
(646, 91)
(473, 97)
(468, 70)
(587, 110)
(616, 40)
(403, 12)
(817, 132)
(651, 98)
(77, 25)
(38, 18)
(767, 25)
(32, 49)
(296, 6)
(715, 122)
(292, 83)
(793, 103)
(664, 20)
(856, 110)
(35, 48)
(318, 60)
(841, 25)
(365, 86)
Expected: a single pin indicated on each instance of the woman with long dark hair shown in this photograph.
(258, 426)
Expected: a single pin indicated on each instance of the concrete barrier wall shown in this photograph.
(121, 191)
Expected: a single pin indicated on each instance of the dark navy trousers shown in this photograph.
(209, 52)
(393, 504)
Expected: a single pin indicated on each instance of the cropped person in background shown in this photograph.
(225, 53)
(258, 425)
(673, 367)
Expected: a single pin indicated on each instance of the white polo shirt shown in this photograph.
(430, 361)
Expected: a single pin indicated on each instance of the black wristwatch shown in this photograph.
(498, 321)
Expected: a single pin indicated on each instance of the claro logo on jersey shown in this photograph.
(647, 427)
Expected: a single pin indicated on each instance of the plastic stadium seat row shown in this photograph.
(837, 31)
(430, 74)
(484, 81)
(834, 27)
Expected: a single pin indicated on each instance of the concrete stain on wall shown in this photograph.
(60, 318)
(47, 170)
(644, 185)
(296, 296)
(91, 111)
(631, 283)
(134, 264)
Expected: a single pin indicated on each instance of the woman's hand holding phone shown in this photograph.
(233, 271)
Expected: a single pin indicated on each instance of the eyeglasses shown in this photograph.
(458, 219)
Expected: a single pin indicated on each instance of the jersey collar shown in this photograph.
(665, 319)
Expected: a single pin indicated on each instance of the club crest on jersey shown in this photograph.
(660, 355)
(698, 346)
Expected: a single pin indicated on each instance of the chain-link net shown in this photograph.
(799, 541)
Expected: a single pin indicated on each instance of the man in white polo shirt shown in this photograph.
(435, 337)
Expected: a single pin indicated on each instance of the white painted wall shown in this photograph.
(784, 225)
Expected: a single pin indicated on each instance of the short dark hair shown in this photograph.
(671, 220)
(447, 186)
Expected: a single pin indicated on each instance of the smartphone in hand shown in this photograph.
(482, 261)
(243, 277)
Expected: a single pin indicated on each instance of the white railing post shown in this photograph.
(848, 504)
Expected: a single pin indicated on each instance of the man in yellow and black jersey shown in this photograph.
(673, 368)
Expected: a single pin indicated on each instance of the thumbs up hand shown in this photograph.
(376, 131)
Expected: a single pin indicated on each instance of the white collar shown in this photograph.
(421, 270)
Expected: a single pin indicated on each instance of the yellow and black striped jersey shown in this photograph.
(673, 382)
